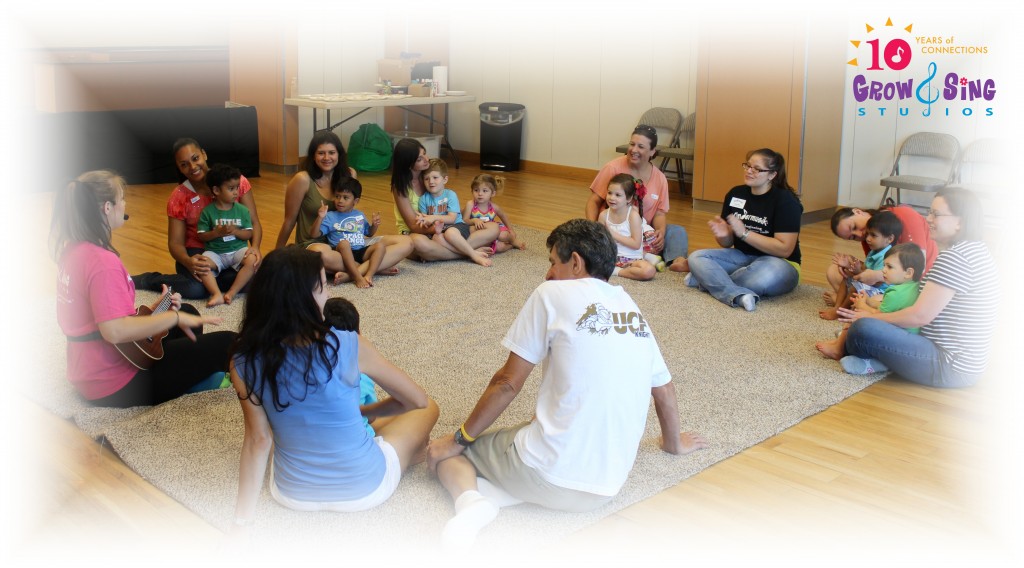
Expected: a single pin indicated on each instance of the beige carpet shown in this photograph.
(741, 378)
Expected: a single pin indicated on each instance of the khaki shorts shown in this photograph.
(496, 459)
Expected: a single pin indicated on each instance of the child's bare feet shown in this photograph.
(438, 227)
(828, 314)
(832, 349)
(341, 277)
(389, 271)
(829, 296)
(486, 251)
(480, 258)
(362, 281)
(680, 264)
(519, 243)
(215, 300)
(228, 297)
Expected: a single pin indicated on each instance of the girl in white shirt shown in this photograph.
(625, 224)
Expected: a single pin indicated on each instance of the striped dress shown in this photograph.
(963, 329)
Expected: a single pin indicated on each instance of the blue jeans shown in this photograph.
(676, 243)
(726, 273)
(909, 355)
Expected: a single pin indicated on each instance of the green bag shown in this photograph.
(369, 148)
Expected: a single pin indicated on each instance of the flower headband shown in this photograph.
(641, 189)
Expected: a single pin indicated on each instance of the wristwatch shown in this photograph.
(462, 440)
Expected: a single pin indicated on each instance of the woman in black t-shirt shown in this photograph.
(759, 232)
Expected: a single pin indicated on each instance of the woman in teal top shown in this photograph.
(298, 384)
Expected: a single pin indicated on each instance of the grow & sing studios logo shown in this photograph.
(960, 94)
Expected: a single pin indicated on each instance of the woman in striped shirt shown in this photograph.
(956, 310)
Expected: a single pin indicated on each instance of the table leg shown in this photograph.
(444, 139)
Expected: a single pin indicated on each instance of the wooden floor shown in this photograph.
(887, 474)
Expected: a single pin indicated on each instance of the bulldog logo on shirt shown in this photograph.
(599, 320)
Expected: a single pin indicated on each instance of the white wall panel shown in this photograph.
(339, 63)
(532, 82)
(576, 104)
(674, 72)
(626, 88)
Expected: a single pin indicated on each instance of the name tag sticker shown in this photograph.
(194, 199)
(737, 202)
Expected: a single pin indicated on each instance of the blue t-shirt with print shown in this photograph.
(442, 204)
(351, 226)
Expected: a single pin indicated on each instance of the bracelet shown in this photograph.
(746, 232)
(240, 522)
(466, 436)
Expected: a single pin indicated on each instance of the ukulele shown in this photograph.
(144, 352)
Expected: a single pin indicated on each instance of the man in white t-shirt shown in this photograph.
(601, 367)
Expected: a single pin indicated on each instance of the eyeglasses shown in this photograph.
(747, 166)
(932, 213)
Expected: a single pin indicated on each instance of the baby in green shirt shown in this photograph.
(902, 269)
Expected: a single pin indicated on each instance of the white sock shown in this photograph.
(496, 494)
(472, 512)
(747, 301)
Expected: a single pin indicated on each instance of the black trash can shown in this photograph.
(501, 136)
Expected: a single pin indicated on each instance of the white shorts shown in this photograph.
(392, 475)
(225, 260)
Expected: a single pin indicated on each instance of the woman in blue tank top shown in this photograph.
(298, 383)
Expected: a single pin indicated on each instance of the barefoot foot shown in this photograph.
(228, 297)
(828, 314)
(341, 277)
(829, 296)
(831, 349)
(481, 259)
(680, 265)
(389, 271)
(215, 300)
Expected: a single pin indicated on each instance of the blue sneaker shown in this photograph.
(857, 366)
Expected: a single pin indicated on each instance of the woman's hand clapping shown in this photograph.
(719, 228)
(736, 225)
